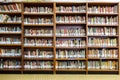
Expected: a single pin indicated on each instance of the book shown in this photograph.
(76, 42)
(102, 53)
(38, 65)
(38, 32)
(38, 54)
(102, 31)
(38, 42)
(103, 42)
(70, 19)
(4, 52)
(15, 7)
(103, 9)
(39, 20)
(38, 9)
(70, 54)
(76, 8)
(111, 20)
(70, 65)
(70, 31)
(10, 40)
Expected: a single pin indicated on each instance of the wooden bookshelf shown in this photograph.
(60, 30)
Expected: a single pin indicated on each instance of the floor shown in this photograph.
(58, 77)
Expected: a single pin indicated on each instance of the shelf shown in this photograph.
(71, 36)
(99, 25)
(60, 59)
(103, 36)
(10, 33)
(10, 45)
(10, 23)
(37, 69)
(70, 69)
(69, 23)
(10, 12)
(38, 25)
(38, 58)
(6, 69)
(101, 47)
(68, 13)
(38, 46)
(38, 36)
(70, 47)
(103, 58)
(101, 70)
(103, 14)
(11, 57)
(29, 13)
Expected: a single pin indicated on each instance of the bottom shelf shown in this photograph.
(70, 69)
(10, 69)
(37, 69)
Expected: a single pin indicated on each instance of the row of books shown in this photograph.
(10, 52)
(38, 64)
(10, 64)
(104, 42)
(70, 19)
(9, 18)
(102, 53)
(77, 8)
(70, 42)
(38, 42)
(70, 53)
(21, 0)
(105, 65)
(10, 8)
(10, 40)
(38, 54)
(70, 31)
(103, 20)
(38, 9)
(38, 20)
(10, 29)
(70, 65)
(102, 31)
(38, 32)
(103, 9)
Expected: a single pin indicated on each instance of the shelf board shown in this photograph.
(103, 14)
(103, 58)
(70, 13)
(101, 47)
(103, 36)
(70, 69)
(29, 13)
(10, 45)
(38, 58)
(70, 47)
(6, 69)
(10, 33)
(71, 36)
(70, 59)
(69, 23)
(38, 46)
(101, 70)
(38, 25)
(10, 12)
(39, 36)
(10, 57)
(99, 25)
(37, 69)
(10, 23)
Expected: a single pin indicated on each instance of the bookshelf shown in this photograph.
(59, 37)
